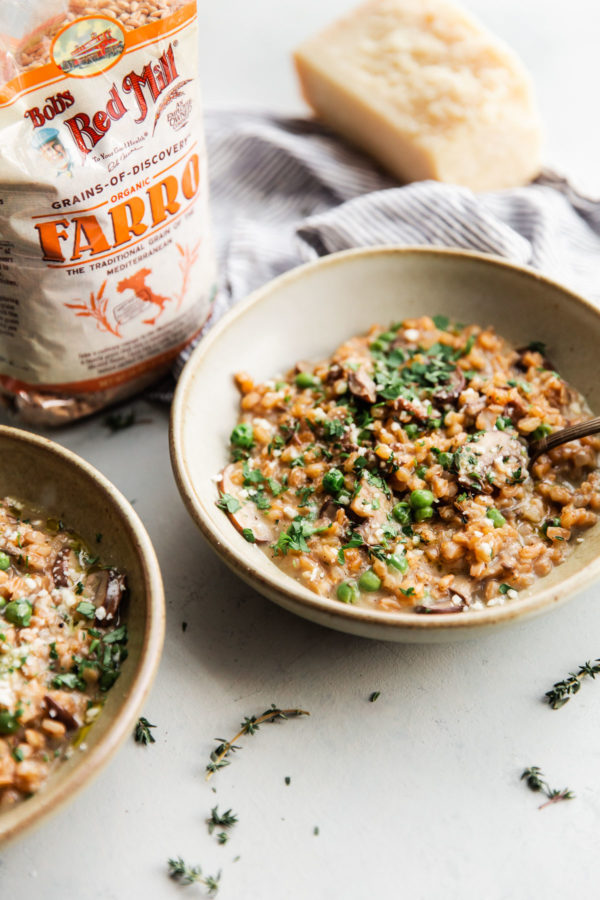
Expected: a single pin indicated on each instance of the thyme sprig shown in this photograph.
(142, 733)
(250, 725)
(533, 777)
(119, 421)
(180, 872)
(220, 820)
(563, 690)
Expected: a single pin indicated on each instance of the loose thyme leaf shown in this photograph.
(220, 820)
(117, 421)
(250, 725)
(142, 733)
(183, 874)
(374, 696)
(534, 779)
(537, 346)
(562, 691)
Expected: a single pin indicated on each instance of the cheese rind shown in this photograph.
(426, 90)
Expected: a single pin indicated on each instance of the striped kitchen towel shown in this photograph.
(284, 191)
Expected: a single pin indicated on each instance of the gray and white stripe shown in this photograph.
(287, 190)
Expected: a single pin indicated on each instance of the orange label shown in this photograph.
(106, 262)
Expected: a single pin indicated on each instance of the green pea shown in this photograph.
(4, 561)
(347, 592)
(411, 431)
(369, 581)
(426, 512)
(401, 513)
(18, 612)
(398, 562)
(378, 347)
(8, 722)
(305, 380)
(421, 499)
(445, 460)
(242, 435)
(496, 517)
(541, 431)
(333, 481)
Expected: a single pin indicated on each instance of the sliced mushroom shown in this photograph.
(114, 593)
(443, 608)
(347, 444)
(416, 408)
(452, 389)
(58, 712)
(462, 587)
(516, 409)
(334, 373)
(60, 568)
(248, 516)
(303, 366)
(108, 587)
(491, 459)
(329, 510)
(370, 501)
(362, 386)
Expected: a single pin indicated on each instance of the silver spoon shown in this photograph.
(571, 433)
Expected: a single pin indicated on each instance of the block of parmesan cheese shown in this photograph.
(427, 91)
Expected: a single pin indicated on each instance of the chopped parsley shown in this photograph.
(333, 429)
(295, 536)
(86, 608)
(441, 322)
(228, 503)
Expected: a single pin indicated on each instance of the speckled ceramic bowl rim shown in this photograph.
(51, 798)
(281, 588)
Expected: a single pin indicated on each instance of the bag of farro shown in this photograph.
(106, 263)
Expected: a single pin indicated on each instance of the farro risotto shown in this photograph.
(395, 475)
(61, 644)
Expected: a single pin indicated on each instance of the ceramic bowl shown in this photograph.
(42, 473)
(306, 314)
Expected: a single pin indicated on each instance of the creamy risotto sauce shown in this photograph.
(396, 474)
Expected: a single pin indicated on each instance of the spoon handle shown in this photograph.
(582, 429)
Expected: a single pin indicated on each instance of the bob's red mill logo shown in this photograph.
(87, 130)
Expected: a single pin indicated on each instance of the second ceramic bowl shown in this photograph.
(44, 475)
(306, 314)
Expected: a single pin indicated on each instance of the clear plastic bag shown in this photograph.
(106, 262)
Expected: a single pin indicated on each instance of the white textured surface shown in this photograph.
(416, 795)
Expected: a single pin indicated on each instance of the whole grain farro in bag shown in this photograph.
(106, 263)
